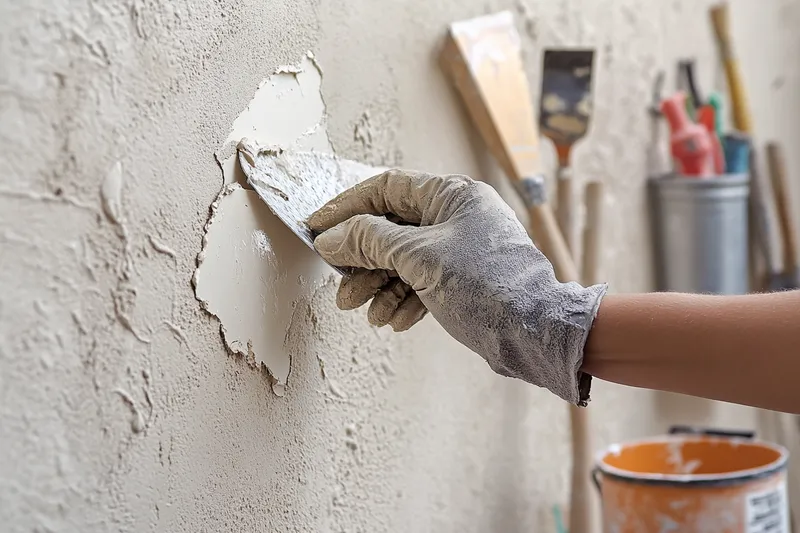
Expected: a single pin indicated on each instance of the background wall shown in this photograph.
(121, 409)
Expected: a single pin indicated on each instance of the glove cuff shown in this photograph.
(545, 342)
(586, 301)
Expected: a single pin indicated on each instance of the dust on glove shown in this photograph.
(462, 255)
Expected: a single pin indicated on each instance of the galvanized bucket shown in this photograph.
(700, 230)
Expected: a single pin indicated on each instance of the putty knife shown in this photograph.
(565, 110)
(295, 184)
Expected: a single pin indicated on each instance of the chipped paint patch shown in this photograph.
(248, 277)
(287, 110)
(252, 270)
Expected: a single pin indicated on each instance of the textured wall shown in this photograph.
(121, 409)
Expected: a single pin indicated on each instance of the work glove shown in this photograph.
(451, 246)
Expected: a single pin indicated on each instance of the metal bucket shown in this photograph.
(701, 233)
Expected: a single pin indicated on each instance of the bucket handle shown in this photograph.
(711, 432)
(596, 480)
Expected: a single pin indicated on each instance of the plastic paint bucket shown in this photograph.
(694, 484)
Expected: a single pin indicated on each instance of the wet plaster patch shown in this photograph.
(252, 270)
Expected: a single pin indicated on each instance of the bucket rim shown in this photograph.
(729, 478)
(717, 180)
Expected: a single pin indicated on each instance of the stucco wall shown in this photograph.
(120, 407)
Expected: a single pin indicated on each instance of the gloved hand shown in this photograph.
(467, 260)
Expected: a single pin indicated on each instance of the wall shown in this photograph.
(121, 407)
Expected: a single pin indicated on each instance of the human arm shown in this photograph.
(739, 349)
(471, 264)
(464, 257)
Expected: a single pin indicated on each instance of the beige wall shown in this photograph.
(120, 407)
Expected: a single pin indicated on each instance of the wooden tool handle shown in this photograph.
(583, 515)
(590, 268)
(781, 190)
(497, 97)
(742, 120)
(582, 453)
(761, 242)
(565, 201)
(583, 506)
(548, 238)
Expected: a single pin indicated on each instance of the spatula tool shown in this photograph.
(295, 184)
(564, 112)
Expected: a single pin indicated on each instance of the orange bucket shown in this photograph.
(694, 484)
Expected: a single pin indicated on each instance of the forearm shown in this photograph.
(740, 349)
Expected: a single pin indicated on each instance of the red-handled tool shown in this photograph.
(706, 116)
(690, 143)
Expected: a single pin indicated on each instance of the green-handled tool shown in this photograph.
(715, 101)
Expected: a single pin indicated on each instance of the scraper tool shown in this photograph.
(295, 184)
(565, 110)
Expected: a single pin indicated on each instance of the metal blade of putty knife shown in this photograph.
(295, 184)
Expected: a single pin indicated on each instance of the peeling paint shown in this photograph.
(441, 443)
(287, 110)
(251, 268)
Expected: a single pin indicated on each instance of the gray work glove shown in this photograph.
(466, 258)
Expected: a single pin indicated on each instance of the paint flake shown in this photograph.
(111, 193)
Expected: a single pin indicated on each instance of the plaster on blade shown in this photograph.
(295, 184)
